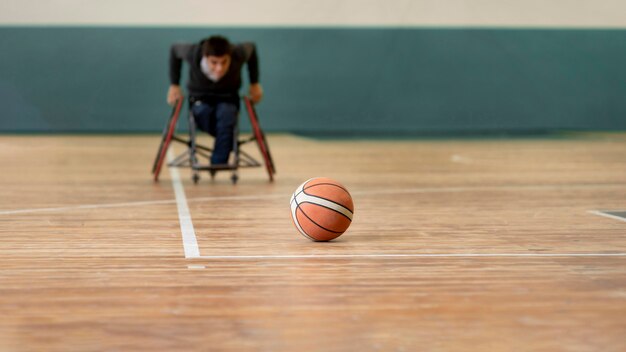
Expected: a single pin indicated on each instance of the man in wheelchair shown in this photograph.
(215, 67)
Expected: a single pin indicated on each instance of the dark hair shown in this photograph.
(215, 46)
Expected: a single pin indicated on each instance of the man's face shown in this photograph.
(218, 65)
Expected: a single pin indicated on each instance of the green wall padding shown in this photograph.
(111, 79)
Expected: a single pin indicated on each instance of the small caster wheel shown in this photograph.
(195, 178)
(234, 178)
(212, 173)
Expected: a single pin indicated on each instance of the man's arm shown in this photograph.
(252, 60)
(178, 52)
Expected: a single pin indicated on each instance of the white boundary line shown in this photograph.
(604, 213)
(138, 203)
(192, 250)
(416, 255)
(190, 243)
(86, 206)
(358, 193)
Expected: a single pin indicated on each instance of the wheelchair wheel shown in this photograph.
(166, 138)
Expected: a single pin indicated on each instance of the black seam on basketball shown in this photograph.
(324, 183)
(319, 184)
(295, 199)
(341, 205)
(295, 220)
(313, 221)
(303, 232)
(330, 200)
(335, 210)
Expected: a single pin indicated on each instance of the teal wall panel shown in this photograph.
(416, 80)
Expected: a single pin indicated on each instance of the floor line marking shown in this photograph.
(193, 267)
(277, 196)
(190, 243)
(138, 203)
(603, 213)
(86, 206)
(416, 255)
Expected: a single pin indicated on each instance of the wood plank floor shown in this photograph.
(456, 245)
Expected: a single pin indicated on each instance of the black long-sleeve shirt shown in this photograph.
(199, 85)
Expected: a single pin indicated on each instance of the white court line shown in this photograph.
(192, 251)
(138, 203)
(86, 206)
(190, 243)
(416, 255)
(603, 213)
(460, 159)
(363, 193)
(192, 267)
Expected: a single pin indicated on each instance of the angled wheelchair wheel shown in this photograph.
(259, 136)
(166, 138)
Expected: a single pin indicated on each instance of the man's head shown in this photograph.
(216, 52)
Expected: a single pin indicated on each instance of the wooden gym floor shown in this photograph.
(457, 244)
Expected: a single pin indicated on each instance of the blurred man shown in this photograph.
(215, 67)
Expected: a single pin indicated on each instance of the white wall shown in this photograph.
(409, 13)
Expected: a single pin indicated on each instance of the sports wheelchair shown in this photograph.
(191, 157)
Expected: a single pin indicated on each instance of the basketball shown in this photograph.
(321, 209)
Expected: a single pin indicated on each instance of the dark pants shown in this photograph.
(218, 119)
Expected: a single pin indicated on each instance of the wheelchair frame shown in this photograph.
(190, 158)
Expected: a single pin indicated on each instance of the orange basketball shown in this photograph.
(321, 209)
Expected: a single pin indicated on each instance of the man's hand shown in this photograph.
(173, 94)
(256, 92)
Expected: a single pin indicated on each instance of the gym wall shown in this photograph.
(386, 67)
